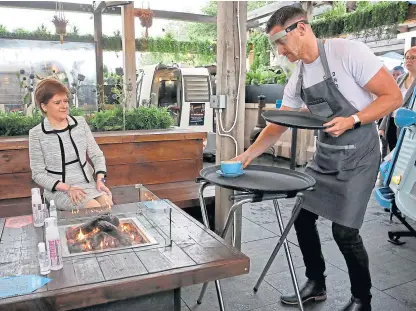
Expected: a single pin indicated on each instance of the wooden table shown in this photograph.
(142, 279)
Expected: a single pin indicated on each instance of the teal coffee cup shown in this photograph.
(231, 167)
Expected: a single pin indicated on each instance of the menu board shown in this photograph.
(196, 114)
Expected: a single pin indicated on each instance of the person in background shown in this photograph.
(58, 149)
(397, 71)
(406, 82)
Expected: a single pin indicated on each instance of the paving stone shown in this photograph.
(405, 293)
(253, 232)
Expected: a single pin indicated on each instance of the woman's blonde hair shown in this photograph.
(46, 89)
(412, 49)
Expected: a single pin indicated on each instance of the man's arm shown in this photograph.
(389, 97)
(268, 136)
(370, 74)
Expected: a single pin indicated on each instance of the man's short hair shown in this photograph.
(399, 68)
(283, 15)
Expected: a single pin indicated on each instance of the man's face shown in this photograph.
(396, 73)
(289, 42)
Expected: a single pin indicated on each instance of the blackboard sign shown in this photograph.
(196, 114)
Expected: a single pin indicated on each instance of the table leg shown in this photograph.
(233, 209)
(288, 255)
(202, 204)
(295, 213)
(177, 299)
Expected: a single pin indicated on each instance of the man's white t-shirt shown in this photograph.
(352, 65)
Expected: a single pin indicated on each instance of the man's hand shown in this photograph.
(338, 125)
(245, 158)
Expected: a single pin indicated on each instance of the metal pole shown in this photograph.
(288, 255)
(293, 148)
(295, 213)
(230, 217)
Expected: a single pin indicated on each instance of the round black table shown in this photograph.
(259, 183)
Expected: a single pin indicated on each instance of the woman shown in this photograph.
(58, 149)
(406, 82)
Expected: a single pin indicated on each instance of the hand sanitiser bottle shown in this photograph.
(44, 262)
(53, 243)
(52, 210)
(38, 212)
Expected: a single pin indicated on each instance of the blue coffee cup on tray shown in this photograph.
(231, 167)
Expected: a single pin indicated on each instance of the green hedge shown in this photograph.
(371, 19)
(166, 44)
(142, 118)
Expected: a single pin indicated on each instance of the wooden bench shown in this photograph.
(183, 194)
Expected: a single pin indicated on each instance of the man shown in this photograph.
(397, 71)
(334, 79)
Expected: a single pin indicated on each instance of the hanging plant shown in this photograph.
(146, 19)
(60, 22)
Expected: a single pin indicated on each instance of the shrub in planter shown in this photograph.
(142, 118)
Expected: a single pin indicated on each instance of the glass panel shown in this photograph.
(142, 224)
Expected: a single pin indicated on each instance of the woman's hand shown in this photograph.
(76, 194)
(102, 187)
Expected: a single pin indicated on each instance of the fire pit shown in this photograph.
(103, 233)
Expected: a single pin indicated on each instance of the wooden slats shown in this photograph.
(147, 157)
(183, 194)
(153, 172)
(196, 256)
(151, 152)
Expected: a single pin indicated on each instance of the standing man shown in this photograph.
(334, 78)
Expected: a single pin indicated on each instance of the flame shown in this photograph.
(80, 236)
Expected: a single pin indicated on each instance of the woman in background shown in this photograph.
(388, 129)
(58, 149)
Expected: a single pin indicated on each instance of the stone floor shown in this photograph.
(393, 268)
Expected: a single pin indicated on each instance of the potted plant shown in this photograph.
(60, 26)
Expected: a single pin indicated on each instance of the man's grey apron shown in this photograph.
(345, 167)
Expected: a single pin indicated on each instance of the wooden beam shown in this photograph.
(99, 61)
(129, 55)
(267, 10)
(49, 6)
(109, 8)
(101, 7)
(230, 77)
(185, 17)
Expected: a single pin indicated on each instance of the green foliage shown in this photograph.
(261, 49)
(209, 31)
(264, 75)
(368, 18)
(142, 118)
(166, 44)
(16, 123)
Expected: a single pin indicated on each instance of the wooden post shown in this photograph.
(129, 55)
(99, 63)
(228, 74)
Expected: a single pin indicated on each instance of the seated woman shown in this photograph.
(58, 149)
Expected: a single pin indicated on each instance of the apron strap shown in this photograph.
(299, 83)
(324, 61)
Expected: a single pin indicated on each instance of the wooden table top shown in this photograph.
(196, 255)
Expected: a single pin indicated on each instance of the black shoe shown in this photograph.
(356, 304)
(311, 291)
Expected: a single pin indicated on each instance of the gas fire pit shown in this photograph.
(103, 233)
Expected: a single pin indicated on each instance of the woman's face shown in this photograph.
(57, 107)
(410, 61)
